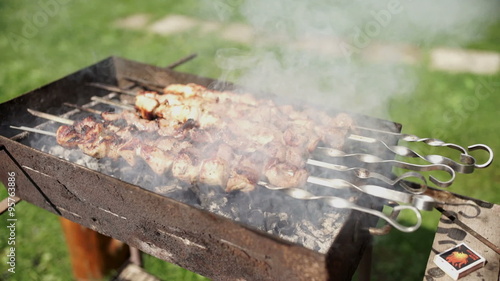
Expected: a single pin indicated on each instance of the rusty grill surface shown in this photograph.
(253, 236)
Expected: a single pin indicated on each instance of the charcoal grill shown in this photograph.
(158, 221)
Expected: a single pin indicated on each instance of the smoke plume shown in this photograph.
(323, 51)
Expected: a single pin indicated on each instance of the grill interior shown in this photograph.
(251, 234)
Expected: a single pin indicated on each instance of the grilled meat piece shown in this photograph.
(214, 171)
(91, 137)
(67, 136)
(132, 119)
(159, 160)
(286, 175)
(128, 150)
(103, 146)
(239, 180)
(185, 167)
(146, 103)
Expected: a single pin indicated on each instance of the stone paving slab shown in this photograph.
(207, 27)
(135, 22)
(173, 24)
(460, 60)
(238, 32)
(393, 53)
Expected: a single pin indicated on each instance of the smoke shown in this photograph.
(322, 51)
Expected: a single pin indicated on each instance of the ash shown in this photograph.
(307, 223)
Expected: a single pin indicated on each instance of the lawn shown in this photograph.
(456, 107)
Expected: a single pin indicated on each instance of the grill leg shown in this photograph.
(135, 256)
(365, 265)
(92, 254)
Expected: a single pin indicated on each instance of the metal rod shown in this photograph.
(182, 61)
(377, 130)
(33, 130)
(51, 117)
(111, 88)
(81, 108)
(147, 84)
(342, 203)
(467, 228)
(113, 103)
(420, 201)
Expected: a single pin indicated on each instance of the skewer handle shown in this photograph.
(420, 201)
(369, 159)
(465, 159)
(342, 203)
(363, 173)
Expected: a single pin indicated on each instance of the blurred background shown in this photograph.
(433, 67)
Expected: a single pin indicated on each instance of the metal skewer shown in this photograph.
(363, 173)
(51, 117)
(419, 201)
(33, 130)
(372, 159)
(113, 103)
(181, 61)
(112, 88)
(146, 84)
(466, 159)
(339, 202)
(81, 108)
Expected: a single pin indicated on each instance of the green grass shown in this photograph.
(460, 108)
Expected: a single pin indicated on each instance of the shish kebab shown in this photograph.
(215, 138)
(89, 126)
